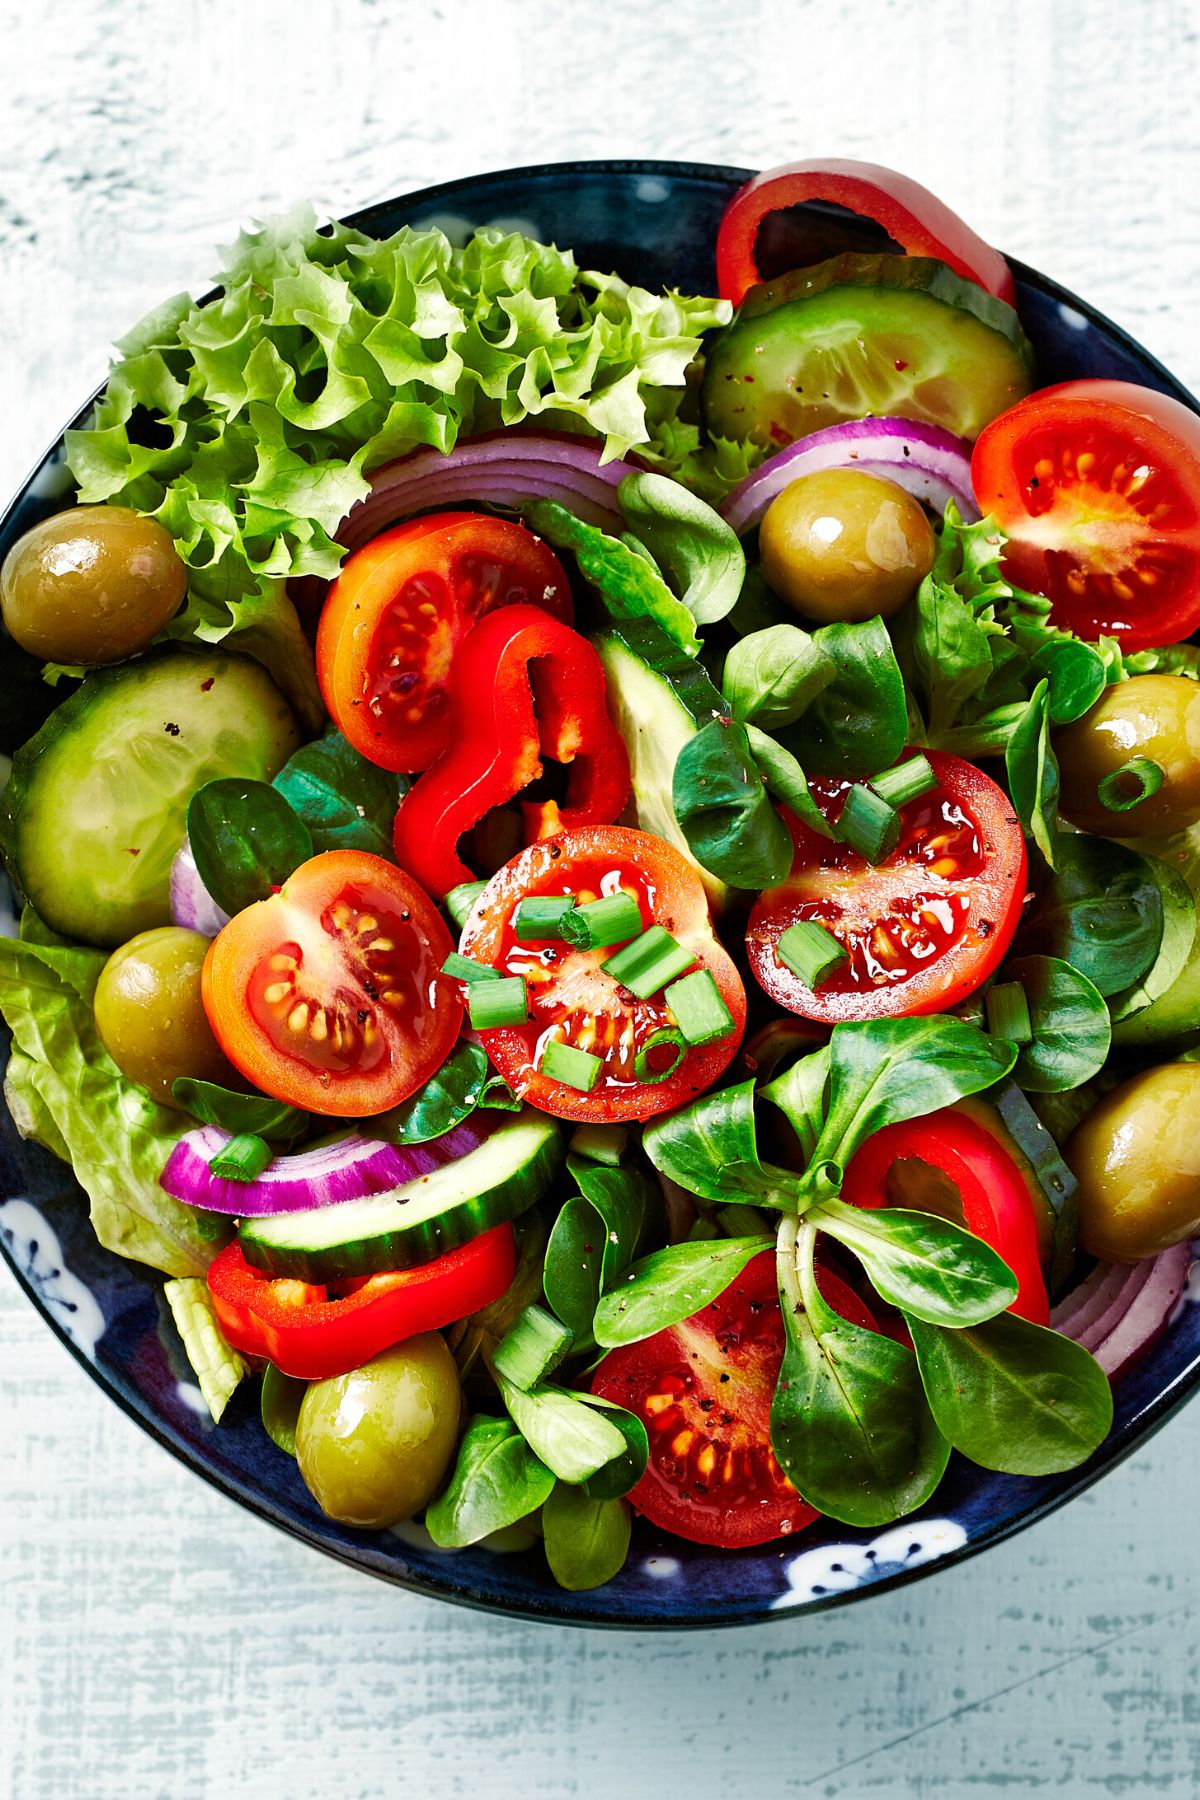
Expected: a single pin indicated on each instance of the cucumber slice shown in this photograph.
(412, 1224)
(861, 336)
(659, 698)
(96, 805)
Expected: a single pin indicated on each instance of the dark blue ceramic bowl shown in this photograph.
(655, 223)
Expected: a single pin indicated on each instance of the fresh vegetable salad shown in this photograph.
(611, 890)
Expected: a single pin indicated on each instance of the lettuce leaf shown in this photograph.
(219, 1368)
(64, 1091)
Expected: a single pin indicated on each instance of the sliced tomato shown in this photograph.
(912, 217)
(329, 995)
(312, 1332)
(924, 928)
(949, 1164)
(398, 611)
(571, 996)
(703, 1390)
(1096, 485)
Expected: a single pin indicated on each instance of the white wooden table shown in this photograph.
(156, 1641)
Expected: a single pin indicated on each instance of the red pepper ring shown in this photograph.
(309, 1334)
(914, 218)
(524, 686)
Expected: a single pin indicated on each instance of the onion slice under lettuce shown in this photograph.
(191, 903)
(346, 1170)
(931, 464)
(1119, 1311)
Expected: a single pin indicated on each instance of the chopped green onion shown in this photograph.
(532, 1348)
(905, 781)
(461, 899)
(649, 962)
(599, 1143)
(742, 1221)
(461, 968)
(811, 952)
(243, 1158)
(495, 1003)
(542, 916)
(700, 1011)
(611, 920)
(651, 1072)
(574, 1068)
(868, 824)
(1007, 1012)
(1124, 788)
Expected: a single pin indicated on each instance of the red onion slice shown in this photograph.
(931, 464)
(348, 1170)
(1090, 1300)
(191, 903)
(1119, 1311)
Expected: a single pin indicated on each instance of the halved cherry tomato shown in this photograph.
(924, 928)
(1096, 485)
(398, 611)
(703, 1390)
(329, 995)
(947, 1163)
(914, 218)
(312, 1332)
(573, 999)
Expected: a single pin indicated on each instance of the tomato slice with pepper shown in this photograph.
(399, 609)
(924, 928)
(949, 1164)
(911, 216)
(329, 995)
(572, 998)
(1096, 485)
(703, 1390)
(311, 1331)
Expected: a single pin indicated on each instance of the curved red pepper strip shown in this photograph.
(524, 686)
(916, 219)
(305, 1333)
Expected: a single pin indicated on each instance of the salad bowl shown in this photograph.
(654, 223)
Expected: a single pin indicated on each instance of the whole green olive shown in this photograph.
(91, 585)
(1136, 1157)
(374, 1446)
(843, 545)
(1156, 716)
(149, 1013)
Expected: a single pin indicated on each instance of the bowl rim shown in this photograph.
(1059, 1489)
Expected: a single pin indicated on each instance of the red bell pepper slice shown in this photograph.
(916, 219)
(309, 1333)
(524, 686)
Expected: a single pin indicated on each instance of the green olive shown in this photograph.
(91, 585)
(149, 1013)
(841, 544)
(1157, 716)
(1136, 1157)
(374, 1446)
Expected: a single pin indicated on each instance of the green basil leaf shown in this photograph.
(757, 606)
(771, 676)
(571, 1273)
(252, 1115)
(1014, 1396)
(1175, 947)
(988, 735)
(626, 1204)
(1101, 911)
(346, 802)
(924, 1264)
(1072, 1031)
(1033, 774)
(279, 1405)
(1076, 674)
(571, 1438)
(850, 1424)
(497, 1480)
(857, 725)
(700, 554)
(786, 780)
(447, 1098)
(669, 1286)
(723, 810)
(800, 1094)
(944, 653)
(629, 585)
(587, 1539)
(245, 839)
(623, 1472)
(711, 1148)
